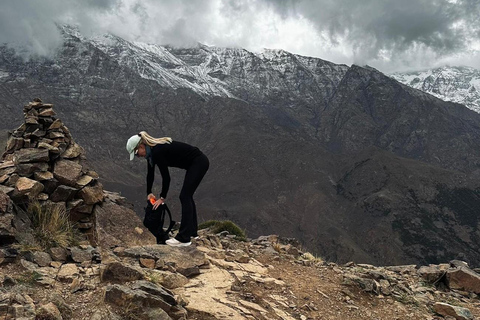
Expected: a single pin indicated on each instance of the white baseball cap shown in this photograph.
(132, 143)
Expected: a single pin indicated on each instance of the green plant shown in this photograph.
(407, 299)
(226, 225)
(28, 277)
(51, 226)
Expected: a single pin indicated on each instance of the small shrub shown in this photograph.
(208, 224)
(277, 247)
(310, 257)
(28, 277)
(51, 226)
(227, 225)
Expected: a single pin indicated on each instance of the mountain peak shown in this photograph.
(458, 84)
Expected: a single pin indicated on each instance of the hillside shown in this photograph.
(218, 277)
(329, 154)
(71, 250)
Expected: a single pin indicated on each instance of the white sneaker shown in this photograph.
(175, 243)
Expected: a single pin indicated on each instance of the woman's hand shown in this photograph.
(150, 196)
(158, 203)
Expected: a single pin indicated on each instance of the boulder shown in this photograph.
(29, 187)
(68, 272)
(58, 254)
(30, 155)
(63, 193)
(168, 279)
(185, 260)
(458, 313)
(49, 311)
(83, 181)
(43, 175)
(123, 296)
(43, 259)
(92, 194)
(463, 279)
(117, 272)
(67, 172)
(156, 290)
(430, 273)
(80, 255)
(73, 151)
(27, 169)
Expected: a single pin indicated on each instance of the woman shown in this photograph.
(164, 153)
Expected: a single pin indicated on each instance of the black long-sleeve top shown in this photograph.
(176, 154)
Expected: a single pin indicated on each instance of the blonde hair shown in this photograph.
(151, 141)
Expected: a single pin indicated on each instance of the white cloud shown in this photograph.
(386, 34)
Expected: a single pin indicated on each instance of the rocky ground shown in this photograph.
(219, 277)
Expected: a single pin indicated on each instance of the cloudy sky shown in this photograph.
(391, 35)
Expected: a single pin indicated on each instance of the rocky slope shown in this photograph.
(345, 159)
(220, 277)
(456, 84)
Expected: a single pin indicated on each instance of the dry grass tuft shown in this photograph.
(51, 226)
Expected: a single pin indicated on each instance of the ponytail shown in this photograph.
(151, 141)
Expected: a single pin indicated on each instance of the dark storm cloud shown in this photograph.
(383, 33)
(392, 27)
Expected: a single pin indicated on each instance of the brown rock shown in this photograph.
(73, 151)
(7, 171)
(6, 164)
(55, 125)
(47, 112)
(83, 181)
(169, 280)
(49, 311)
(31, 120)
(147, 263)
(30, 155)
(92, 194)
(43, 259)
(55, 135)
(67, 272)
(14, 143)
(124, 296)
(463, 279)
(430, 273)
(80, 255)
(67, 172)
(63, 193)
(458, 313)
(7, 231)
(27, 169)
(58, 254)
(117, 272)
(4, 178)
(48, 147)
(43, 175)
(6, 190)
(29, 187)
(4, 202)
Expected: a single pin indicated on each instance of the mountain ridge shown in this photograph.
(282, 152)
(450, 83)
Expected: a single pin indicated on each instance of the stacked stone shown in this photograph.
(43, 163)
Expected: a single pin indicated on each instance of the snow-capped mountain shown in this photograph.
(356, 166)
(226, 72)
(456, 84)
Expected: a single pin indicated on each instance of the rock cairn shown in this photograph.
(43, 163)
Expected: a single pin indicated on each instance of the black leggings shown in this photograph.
(193, 177)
